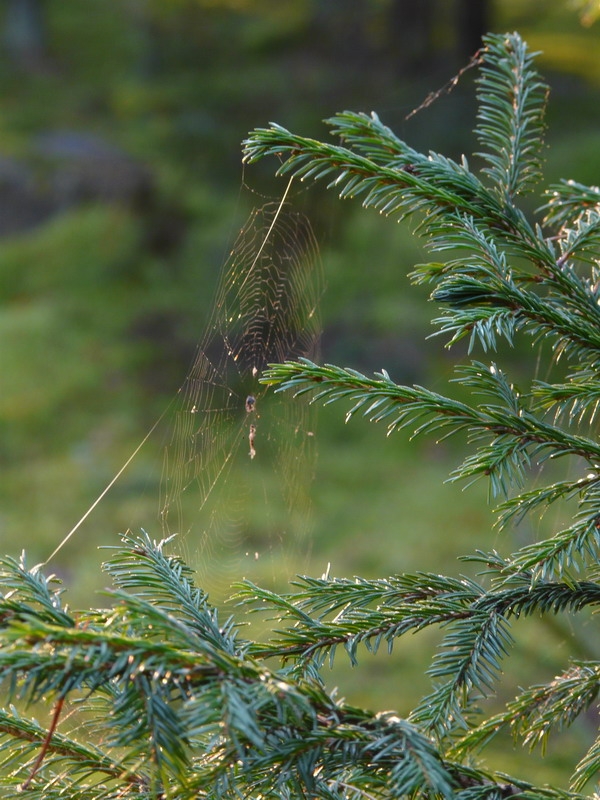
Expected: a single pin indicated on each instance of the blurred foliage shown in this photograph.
(589, 10)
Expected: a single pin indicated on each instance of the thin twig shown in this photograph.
(449, 86)
(46, 744)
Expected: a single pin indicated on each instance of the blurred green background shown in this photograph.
(121, 192)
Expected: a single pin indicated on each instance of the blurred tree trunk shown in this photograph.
(25, 33)
(416, 26)
(411, 25)
(474, 19)
(344, 27)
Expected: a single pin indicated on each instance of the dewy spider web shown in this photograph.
(238, 461)
(231, 442)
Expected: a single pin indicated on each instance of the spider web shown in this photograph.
(238, 465)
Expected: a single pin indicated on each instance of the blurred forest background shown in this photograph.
(121, 192)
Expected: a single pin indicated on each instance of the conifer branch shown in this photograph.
(213, 719)
(516, 435)
(539, 710)
(568, 201)
(512, 101)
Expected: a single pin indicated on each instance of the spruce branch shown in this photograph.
(581, 241)
(203, 722)
(515, 435)
(541, 710)
(578, 398)
(588, 768)
(21, 740)
(125, 658)
(145, 570)
(486, 296)
(432, 187)
(512, 101)
(568, 201)
(369, 612)
(24, 588)
(390, 190)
